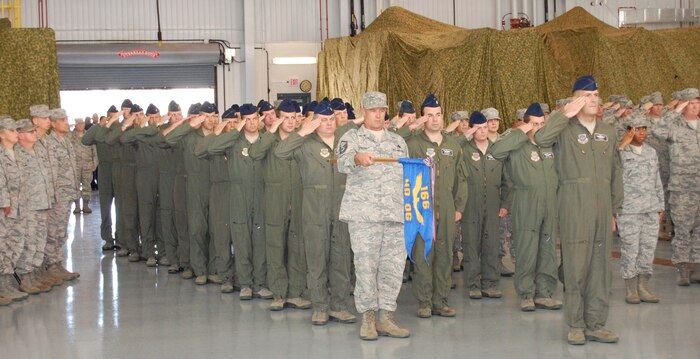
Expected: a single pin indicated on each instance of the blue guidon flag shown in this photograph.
(418, 203)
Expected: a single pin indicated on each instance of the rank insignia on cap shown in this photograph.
(342, 147)
(430, 152)
(325, 153)
(490, 158)
(548, 155)
(244, 152)
(534, 156)
(446, 152)
(582, 138)
(476, 156)
(601, 137)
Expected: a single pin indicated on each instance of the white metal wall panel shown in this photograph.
(136, 19)
(296, 20)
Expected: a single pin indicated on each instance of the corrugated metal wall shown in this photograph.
(136, 19)
(276, 20)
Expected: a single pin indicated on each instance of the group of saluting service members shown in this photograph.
(305, 205)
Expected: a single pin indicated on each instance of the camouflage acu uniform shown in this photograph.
(85, 161)
(638, 223)
(662, 153)
(684, 184)
(34, 200)
(11, 227)
(62, 159)
(373, 208)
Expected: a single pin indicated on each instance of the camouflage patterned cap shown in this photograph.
(491, 114)
(6, 123)
(627, 104)
(637, 119)
(520, 114)
(656, 98)
(25, 125)
(374, 99)
(79, 120)
(58, 113)
(39, 111)
(545, 107)
(689, 94)
(459, 116)
(645, 99)
(563, 101)
(676, 95)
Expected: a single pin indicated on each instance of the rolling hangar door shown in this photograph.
(137, 66)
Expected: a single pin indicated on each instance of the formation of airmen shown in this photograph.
(301, 206)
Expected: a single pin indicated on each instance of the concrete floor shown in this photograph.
(119, 309)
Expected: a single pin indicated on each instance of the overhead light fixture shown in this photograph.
(296, 60)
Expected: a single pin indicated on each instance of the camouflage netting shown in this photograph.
(29, 70)
(407, 56)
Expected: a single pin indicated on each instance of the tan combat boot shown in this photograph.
(548, 303)
(319, 317)
(386, 326)
(277, 304)
(6, 291)
(631, 295)
(50, 278)
(77, 206)
(576, 336)
(86, 206)
(695, 273)
(683, 274)
(5, 301)
(368, 329)
(342, 316)
(298, 303)
(26, 284)
(646, 295)
(43, 287)
(58, 270)
(9, 284)
(602, 335)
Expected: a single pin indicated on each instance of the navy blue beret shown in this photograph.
(324, 108)
(476, 118)
(248, 109)
(585, 83)
(534, 110)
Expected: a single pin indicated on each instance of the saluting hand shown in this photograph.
(197, 120)
(626, 138)
(419, 122)
(525, 127)
(452, 126)
(681, 105)
(309, 127)
(469, 133)
(276, 124)
(572, 108)
(220, 127)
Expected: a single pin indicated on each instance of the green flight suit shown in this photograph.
(177, 246)
(219, 209)
(286, 261)
(166, 229)
(147, 172)
(534, 212)
(432, 279)
(489, 189)
(127, 190)
(326, 239)
(590, 192)
(105, 156)
(186, 138)
(247, 215)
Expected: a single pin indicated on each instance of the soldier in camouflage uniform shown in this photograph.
(107, 156)
(638, 223)
(432, 278)
(11, 227)
(373, 209)
(62, 159)
(34, 200)
(654, 115)
(326, 239)
(590, 195)
(679, 128)
(86, 162)
(286, 260)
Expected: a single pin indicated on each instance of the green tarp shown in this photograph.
(407, 56)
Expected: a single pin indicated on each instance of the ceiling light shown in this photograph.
(296, 60)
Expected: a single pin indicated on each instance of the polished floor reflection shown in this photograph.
(119, 309)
